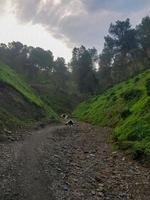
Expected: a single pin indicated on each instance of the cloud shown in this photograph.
(116, 5)
(79, 21)
(2, 6)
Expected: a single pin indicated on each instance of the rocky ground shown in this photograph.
(69, 163)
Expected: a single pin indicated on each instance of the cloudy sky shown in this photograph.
(59, 25)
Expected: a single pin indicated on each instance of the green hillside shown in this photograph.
(10, 79)
(126, 108)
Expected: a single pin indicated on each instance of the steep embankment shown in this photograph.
(18, 102)
(126, 107)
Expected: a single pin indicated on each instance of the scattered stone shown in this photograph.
(11, 138)
(100, 189)
(93, 192)
(98, 179)
(100, 194)
(7, 131)
(68, 174)
(66, 188)
(42, 125)
(123, 159)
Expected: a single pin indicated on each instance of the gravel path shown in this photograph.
(62, 163)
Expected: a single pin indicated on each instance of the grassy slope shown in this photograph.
(126, 107)
(8, 76)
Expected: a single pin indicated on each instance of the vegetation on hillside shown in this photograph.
(50, 78)
(125, 107)
(9, 77)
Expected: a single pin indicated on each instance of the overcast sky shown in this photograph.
(59, 25)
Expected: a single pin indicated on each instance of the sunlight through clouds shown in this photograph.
(70, 23)
(34, 35)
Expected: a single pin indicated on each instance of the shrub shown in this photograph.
(114, 98)
(125, 114)
(134, 136)
(146, 108)
(112, 94)
(136, 79)
(148, 86)
(131, 94)
(138, 154)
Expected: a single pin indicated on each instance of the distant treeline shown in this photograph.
(126, 53)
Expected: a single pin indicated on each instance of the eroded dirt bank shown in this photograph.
(62, 163)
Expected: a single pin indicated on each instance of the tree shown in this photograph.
(41, 58)
(104, 71)
(83, 70)
(120, 47)
(60, 73)
(4, 54)
(123, 37)
(143, 34)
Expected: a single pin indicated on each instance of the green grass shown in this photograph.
(10, 77)
(126, 108)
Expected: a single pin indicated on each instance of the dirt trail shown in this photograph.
(62, 163)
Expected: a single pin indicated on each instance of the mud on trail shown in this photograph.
(76, 163)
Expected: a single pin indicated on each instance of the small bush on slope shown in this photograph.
(131, 95)
(148, 86)
(8, 76)
(132, 131)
